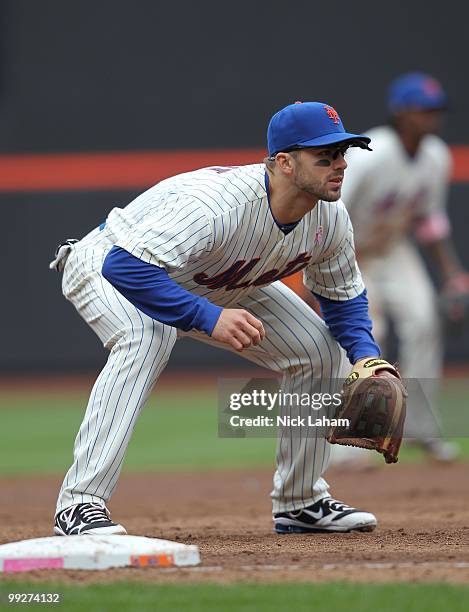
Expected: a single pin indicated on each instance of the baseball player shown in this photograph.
(396, 198)
(202, 254)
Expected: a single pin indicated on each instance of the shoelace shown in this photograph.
(89, 512)
(337, 506)
(94, 512)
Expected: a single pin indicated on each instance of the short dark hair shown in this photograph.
(293, 152)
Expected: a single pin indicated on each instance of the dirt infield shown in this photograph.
(423, 533)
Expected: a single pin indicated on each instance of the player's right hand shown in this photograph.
(238, 328)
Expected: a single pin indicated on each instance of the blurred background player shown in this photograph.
(396, 198)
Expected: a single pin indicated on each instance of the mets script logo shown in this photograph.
(231, 278)
(332, 113)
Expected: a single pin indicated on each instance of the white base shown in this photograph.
(93, 552)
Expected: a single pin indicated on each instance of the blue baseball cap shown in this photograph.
(309, 124)
(416, 91)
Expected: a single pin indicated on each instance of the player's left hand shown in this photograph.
(374, 405)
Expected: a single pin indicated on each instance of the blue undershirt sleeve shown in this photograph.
(350, 325)
(152, 291)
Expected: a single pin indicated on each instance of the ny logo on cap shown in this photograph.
(431, 86)
(332, 113)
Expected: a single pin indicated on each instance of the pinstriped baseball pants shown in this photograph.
(297, 345)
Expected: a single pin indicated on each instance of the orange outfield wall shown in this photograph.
(110, 171)
(41, 172)
(134, 170)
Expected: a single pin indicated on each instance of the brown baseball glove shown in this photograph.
(374, 404)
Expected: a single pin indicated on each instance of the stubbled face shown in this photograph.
(320, 171)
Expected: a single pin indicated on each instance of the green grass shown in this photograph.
(331, 597)
(176, 431)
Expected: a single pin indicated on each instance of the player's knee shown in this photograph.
(312, 356)
(142, 332)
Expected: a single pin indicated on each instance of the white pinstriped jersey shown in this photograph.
(388, 193)
(213, 232)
